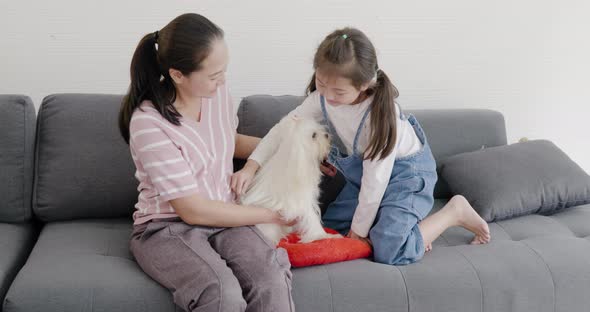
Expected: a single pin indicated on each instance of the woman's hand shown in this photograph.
(278, 219)
(241, 180)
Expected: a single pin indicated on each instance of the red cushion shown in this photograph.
(323, 251)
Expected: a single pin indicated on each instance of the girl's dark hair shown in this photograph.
(349, 53)
(183, 44)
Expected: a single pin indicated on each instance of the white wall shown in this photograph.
(527, 59)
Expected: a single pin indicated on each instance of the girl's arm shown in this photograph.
(245, 145)
(194, 209)
(241, 180)
(376, 174)
(374, 182)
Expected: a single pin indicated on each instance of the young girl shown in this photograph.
(382, 153)
(180, 124)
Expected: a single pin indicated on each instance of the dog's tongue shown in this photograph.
(328, 169)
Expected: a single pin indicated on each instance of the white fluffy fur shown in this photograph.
(289, 181)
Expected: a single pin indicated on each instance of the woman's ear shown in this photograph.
(176, 75)
(365, 86)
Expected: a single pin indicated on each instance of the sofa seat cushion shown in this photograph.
(85, 266)
(533, 263)
(16, 241)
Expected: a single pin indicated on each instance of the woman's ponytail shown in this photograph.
(182, 45)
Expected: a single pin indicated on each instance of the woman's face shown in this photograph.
(204, 82)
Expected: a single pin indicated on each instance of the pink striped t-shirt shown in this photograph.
(176, 161)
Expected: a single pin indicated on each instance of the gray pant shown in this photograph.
(214, 269)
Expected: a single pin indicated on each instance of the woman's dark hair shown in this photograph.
(183, 44)
(349, 53)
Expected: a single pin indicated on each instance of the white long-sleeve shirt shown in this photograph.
(376, 173)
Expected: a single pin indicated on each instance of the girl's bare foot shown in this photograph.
(469, 219)
(428, 247)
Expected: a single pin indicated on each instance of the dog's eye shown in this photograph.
(314, 135)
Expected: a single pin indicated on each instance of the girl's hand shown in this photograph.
(353, 235)
(241, 180)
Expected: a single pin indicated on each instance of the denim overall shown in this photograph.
(408, 198)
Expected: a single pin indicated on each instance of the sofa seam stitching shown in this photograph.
(405, 285)
(503, 229)
(330, 284)
(39, 125)
(561, 224)
(476, 274)
(24, 160)
(548, 269)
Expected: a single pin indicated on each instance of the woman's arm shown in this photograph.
(194, 209)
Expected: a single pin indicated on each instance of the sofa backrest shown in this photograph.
(17, 139)
(83, 167)
(449, 131)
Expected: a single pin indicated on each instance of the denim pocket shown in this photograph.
(424, 198)
(413, 184)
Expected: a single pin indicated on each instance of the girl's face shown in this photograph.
(204, 82)
(337, 90)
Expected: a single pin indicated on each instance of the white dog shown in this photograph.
(289, 181)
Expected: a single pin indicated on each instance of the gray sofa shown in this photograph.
(17, 231)
(83, 192)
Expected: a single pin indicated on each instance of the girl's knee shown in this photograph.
(386, 253)
(398, 249)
